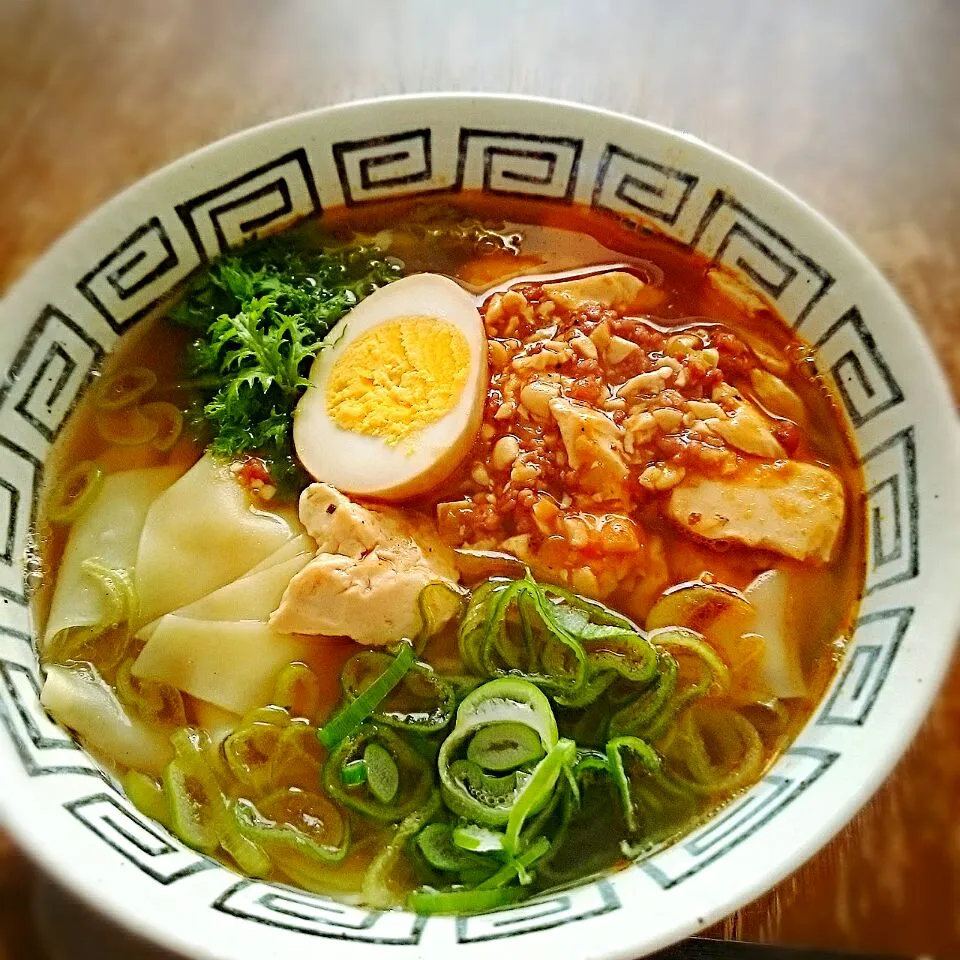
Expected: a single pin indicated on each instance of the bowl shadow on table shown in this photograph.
(700, 948)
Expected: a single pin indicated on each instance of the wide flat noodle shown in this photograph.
(251, 597)
(292, 548)
(200, 534)
(255, 595)
(780, 670)
(230, 663)
(78, 698)
(108, 530)
(216, 722)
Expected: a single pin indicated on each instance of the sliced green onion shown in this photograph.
(588, 692)
(562, 651)
(455, 902)
(679, 640)
(475, 625)
(117, 589)
(515, 646)
(558, 820)
(298, 756)
(589, 761)
(568, 644)
(104, 644)
(127, 427)
(198, 811)
(509, 699)
(74, 491)
(649, 710)
(650, 715)
(732, 736)
(294, 824)
(487, 788)
(376, 890)
(542, 822)
(572, 782)
(247, 855)
(517, 867)
(438, 604)
(346, 721)
(249, 753)
(421, 701)
(151, 699)
(477, 839)
(461, 684)
(468, 790)
(169, 423)
(146, 795)
(414, 774)
(437, 847)
(648, 758)
(538, 790)
(354, 773)
(273, 714)
(194, 797)
(297, 689)
(383, 777)
(436, 843)
(124, 389)
(505, 746)
(191, 800)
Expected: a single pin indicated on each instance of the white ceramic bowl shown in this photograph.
(66, 313)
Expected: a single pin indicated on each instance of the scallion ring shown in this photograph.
(357, 711)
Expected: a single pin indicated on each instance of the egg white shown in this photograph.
(368, 466)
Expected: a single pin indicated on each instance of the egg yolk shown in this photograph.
(398, 378)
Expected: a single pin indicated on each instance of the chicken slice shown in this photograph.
(793, 508)
(747, 428)
(337, 523)
(593, 443)
(366, 578)
(616, 289)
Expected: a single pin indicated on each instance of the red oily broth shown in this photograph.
(824, 601)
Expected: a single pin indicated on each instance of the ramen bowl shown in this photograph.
(107, 274)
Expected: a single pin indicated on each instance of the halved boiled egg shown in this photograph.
(397, 391)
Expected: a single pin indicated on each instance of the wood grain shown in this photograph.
(853, 105)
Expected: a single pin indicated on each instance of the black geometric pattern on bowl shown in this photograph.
(629, 185)
(123, 287)
(877, 639)
(49, 371)
(862, 377)
(502, 162)
(798, 768)
(893, 512)
(542, 913)
(731, 234)
(317, 916)
(520, 164)
(391, 166)
(146, 845)
(43, 746)
(267, 198)
(19, 490)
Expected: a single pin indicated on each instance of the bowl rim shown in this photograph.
(28, 833)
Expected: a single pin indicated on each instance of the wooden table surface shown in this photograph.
(854, 104)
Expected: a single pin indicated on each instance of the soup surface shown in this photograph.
(438, 556)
